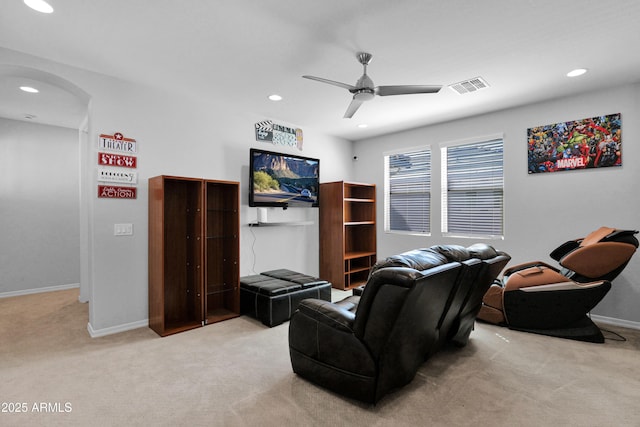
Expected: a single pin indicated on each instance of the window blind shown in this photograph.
(408, 192)
(472, 189)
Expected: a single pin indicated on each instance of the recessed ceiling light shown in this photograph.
(29, 89)
(39, 5)
(362, 125)
(275, 97)
(577, 72)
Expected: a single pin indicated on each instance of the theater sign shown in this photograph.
(117, 176)
(117, 142)
(116, 159)
(119, 160)
(116, 192)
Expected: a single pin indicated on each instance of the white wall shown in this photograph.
(186, 137)
(39, 207)
(183, 137)
(542, 210)
(202, 138)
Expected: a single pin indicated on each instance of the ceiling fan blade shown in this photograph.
(352, 108)
(331, 82)
(406, 90)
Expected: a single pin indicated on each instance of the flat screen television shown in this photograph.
(283, 180)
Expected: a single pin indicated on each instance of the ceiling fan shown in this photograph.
(364, 90)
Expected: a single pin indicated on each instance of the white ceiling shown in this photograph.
(240, 51)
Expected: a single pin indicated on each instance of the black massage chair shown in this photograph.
(536, 297)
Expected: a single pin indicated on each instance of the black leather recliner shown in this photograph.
(537, 297)
(414, 303)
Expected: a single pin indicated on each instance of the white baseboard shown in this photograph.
(616, 322)
(96, 333)
(39, 290)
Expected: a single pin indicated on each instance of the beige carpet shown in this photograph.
(237, 373)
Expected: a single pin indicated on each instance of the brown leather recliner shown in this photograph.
(536, 297)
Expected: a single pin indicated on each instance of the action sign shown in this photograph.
(113, 192)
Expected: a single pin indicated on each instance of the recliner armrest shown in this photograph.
(328, 313)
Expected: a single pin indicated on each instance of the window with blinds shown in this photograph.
(408, 192)
(472, 189)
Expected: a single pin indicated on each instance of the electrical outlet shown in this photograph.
(123, 229)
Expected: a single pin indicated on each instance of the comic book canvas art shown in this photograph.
(580, 144)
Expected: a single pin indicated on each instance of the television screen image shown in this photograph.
(283, 180)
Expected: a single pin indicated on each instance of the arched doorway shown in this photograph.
(36, 185)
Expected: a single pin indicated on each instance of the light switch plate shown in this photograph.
(123, 229)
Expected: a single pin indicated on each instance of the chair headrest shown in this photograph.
(426, 258)
(418, 259)
(482, 251)
(596, 236)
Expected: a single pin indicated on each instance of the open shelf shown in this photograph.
(352, 255)
(347, 233)
(279, 224)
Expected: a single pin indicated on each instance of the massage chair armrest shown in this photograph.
(327, 313)
(525, 265)
(564, 286)
(564, 249)
(532, 274)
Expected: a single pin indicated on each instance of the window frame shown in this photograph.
(387, 190)
(444, 190)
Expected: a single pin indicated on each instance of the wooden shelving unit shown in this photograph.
(347, 232)
(222, 251)
(193, 253)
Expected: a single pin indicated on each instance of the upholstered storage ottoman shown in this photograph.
(273, 296)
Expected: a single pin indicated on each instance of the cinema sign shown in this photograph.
(116, 192)
(117, 142)
(109, 159)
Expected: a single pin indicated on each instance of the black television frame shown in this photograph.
(284, 205)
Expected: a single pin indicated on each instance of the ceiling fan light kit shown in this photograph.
(365, 90)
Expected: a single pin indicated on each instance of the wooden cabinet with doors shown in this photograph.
(193, 252)
(347, 233)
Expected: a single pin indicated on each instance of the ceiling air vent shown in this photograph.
(468, 86)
